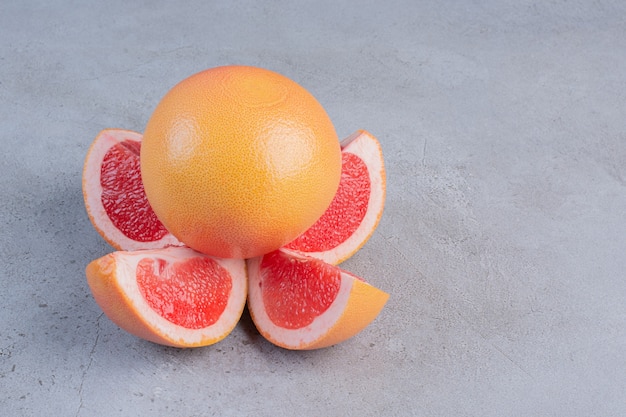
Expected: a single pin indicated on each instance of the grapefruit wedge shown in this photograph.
(173, 296)
(357, 207)
(299, 302)
(114, 195)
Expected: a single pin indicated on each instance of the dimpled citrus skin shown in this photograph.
(237, 161)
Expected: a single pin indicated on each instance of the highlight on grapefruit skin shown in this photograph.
(238, 161)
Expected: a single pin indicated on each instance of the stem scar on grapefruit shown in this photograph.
(114, 195)
(173, 296)
(300, 303)
(357, 207)
(238, 161)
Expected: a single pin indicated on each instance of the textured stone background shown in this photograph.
(503, 243)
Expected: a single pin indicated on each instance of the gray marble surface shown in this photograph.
(503, 243)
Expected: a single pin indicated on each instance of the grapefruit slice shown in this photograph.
(357, 207)
(173, 296)
(114, 195)
(298, 302)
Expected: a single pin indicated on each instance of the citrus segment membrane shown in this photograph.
(298, 302)
(173, 296)
(357, 207)
(114, 195)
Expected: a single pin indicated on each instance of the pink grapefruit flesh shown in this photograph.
(295, 293)
(191, 294)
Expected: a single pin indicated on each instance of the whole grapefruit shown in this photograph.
(237, 161)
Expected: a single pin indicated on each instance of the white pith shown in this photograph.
(366, 147)
(294, 338)
(126, 267)
(91, 177)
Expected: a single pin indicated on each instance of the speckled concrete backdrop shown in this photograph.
(503, 243)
